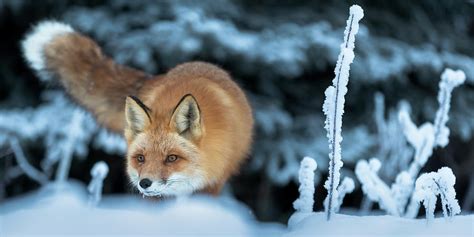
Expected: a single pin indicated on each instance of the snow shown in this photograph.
(60, 209)
(63, 210)
(345, 225)
(36, 40)
(333, 107)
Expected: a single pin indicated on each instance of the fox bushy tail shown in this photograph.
(56, 52)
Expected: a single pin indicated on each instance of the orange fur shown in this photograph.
(102, 86)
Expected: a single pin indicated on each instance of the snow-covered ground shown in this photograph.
(348, 225)
(65, 210)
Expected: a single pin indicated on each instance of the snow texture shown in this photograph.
(98, 172)
(333, 107)
(449, 80)
(430, 185)
(346, 225)
(62, 211)
(34, 43)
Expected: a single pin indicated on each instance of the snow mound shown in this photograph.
(63, 211)
(344, 225)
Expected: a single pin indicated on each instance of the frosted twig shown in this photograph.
(304, 204)
(98, 173)
(346, 187)
(68, 150)
(449, 80)
(374, 187)
(430, 185)
(306, 177)
(424, 139)
(333, 106)
(25, 166)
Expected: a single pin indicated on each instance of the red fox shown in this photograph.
(187, 131)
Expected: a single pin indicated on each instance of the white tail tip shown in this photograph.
(38, 37)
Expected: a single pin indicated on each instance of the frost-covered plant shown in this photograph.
(430, 185)
(306, 177)
(428, 136)
(304, 204)
(333, 107)
(347, 186)
(374, 187)
(98, 172)
(66, 149)
(61, 127)
(393, 151)
(24, 165)
(424, 139)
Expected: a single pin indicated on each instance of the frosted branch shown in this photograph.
(449, 80)
(333, 106)
(374, 187)
(430, 185)
(98, 173)
(306, 178)
(304, 204)
(25, 166)
(74, 131)
(422, 139)
(346, 187)
(402, 190)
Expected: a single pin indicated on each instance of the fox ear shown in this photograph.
(186, 118)
(136, 116)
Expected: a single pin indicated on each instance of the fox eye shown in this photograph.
(141, 159)
(171, 158)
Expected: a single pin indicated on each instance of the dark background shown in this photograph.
(283, 54)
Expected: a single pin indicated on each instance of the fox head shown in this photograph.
(163, 157)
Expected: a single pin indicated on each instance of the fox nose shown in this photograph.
(145, 183)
